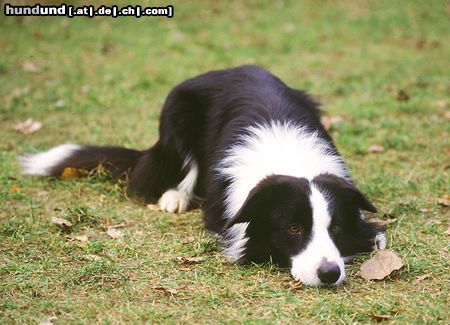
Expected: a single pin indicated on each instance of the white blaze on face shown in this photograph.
(320, 248)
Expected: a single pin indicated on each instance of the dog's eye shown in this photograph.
(335, 229)
(295, 229)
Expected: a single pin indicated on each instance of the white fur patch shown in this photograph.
(178, 199)
(320, 247)
(41, 163)
(234, 241)
(380, 241)
(280, 149)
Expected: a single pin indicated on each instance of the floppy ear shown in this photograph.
(257, 201)
(265, 196)
(339, 185)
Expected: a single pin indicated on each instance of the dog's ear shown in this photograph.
(341, 187)
(265, 196)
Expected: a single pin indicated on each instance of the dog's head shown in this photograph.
(310, 226)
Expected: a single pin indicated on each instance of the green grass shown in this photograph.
(113, 76)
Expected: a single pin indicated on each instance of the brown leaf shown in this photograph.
(165, 290)
(447, 115)
(420, 278)
(382, 222)
(82, 238)
(296, 285)
(29, 66)
(379, 317)
(447, 232)
(153, 207)
(71, 172)
(15, 188)
(189, 260)
(376, 148)
(28, 126)
(381, 265)
(61, 223)
(114, 233)
(91, 258)
(48, 320)
(328, 121)
(444, 200)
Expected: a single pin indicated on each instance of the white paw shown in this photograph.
(174, 201)
(380, 241)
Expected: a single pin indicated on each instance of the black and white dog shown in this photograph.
(271, 182)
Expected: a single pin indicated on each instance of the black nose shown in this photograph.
(328, 272)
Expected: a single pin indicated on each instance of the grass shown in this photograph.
(380, 65)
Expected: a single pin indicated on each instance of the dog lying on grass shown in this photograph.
(270, 179)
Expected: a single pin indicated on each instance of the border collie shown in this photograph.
(252, 150)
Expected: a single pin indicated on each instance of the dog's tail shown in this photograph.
(116, 160)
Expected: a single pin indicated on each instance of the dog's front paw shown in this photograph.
(174, 201)
(380, 241)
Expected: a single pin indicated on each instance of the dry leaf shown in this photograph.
(328, 121)
(189, 260)
(28, 126)
(376, 148)
(61, 223)
(442, 103)
(29, 66)
(15, 188)
(381, 265)
(447, 114)
(379, 317)
(153, 207)
(296, 285)
(91, 257)
(169, 291)
(82, 238)
(382, 222)
(447, 232)
(60, 103)
(114, 233)
(444, 200)
(48, 321)
(420, 278)
(71, 172)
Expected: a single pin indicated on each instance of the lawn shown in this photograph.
(381, 67)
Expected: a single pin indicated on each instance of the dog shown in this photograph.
(254, 153)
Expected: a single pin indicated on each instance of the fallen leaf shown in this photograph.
(28, 126)
(114, 233)
(29, 66)
(60, 103)
(48, 321)
(296, 285)
(189, 260)
(153, 207)
(447, 232)
(91, 257)
(381, 265)
(379, 317)
(328, 121)
(169, 291)
(376, 148)
(71, 172)
(447, 114)
(82, 238)
(288, 27)
(15, 188)
(444, 200)
(442, 103)
(382, 222)
(61, 223)
(420, 278)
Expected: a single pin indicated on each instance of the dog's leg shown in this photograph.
(178, 199)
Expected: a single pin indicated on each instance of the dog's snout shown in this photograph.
(329, 272)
